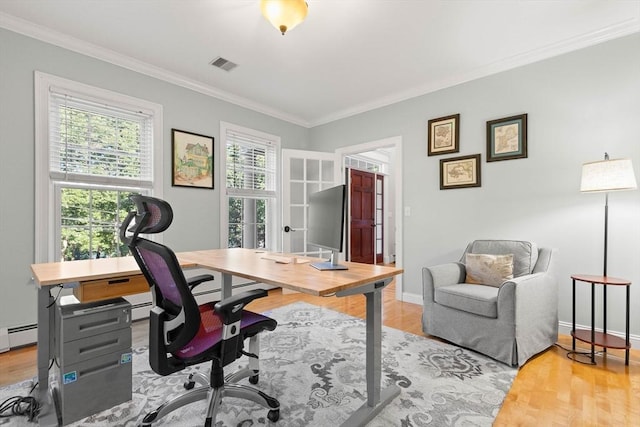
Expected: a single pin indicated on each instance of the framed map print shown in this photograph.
(460, 172)
(443, 135)
(507, 138)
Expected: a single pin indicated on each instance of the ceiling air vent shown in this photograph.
(223, 64)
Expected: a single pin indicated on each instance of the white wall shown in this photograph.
(579, 105)
(196, 222)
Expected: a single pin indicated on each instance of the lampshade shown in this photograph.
(608, 175)
(284, 14)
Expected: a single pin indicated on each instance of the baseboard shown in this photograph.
(564, 328)
(4, 340)
(412, 298)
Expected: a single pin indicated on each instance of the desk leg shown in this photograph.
(225, 291)
(47, 415)
(376, 398)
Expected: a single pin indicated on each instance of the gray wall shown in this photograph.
(579, 105)
(197, 216)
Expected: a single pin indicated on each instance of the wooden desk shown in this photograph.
(365, 279)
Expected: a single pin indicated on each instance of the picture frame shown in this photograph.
(507, 138)
(443, 135)
(191, 160)
(460, 172)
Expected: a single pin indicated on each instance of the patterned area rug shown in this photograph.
(314, 364)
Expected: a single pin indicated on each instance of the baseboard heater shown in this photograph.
(24, 335)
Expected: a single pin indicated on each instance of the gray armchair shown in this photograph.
(511, 321)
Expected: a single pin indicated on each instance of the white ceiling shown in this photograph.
(349, 56)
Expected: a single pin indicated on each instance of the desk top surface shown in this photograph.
(247, 263)
(302, 277)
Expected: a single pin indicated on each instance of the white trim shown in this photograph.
(621, 29)
(56, 38)
(45, 204)
(396, 172)
(46, 35)
(4, 340)
(565, 328)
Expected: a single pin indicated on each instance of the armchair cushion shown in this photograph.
(480, 300)
(488, 269)
(525, 254)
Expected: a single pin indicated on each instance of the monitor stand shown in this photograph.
(332, 264)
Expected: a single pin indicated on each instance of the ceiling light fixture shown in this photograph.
(284, 14)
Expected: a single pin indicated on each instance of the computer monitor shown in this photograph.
(325, 229)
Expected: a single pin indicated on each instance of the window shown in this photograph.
(94, 148)
(250, 196)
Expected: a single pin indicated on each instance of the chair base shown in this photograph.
(214, 397)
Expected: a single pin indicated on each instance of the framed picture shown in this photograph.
(460, 172)
(443, 135)
(191, 160)
(507, 138)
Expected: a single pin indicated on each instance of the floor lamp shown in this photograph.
(604, 176)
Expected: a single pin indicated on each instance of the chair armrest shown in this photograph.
(441, 275)
(231, 308)
(194, 281)
(529, 298)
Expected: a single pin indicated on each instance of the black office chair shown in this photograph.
(183, 333)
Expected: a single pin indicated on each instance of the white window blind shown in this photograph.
(93, 142)
(251, 165)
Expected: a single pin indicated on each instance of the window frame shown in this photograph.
(273, 224)
(47, 189)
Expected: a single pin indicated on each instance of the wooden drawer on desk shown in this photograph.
(97, 290)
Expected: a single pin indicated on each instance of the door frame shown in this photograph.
(396, 143)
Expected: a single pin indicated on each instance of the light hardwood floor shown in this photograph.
(550, 390)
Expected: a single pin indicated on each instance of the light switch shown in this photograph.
(407, 211)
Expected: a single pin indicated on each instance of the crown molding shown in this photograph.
(47, 35)
(621, 29)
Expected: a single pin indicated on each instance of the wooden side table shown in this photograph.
(601, 339)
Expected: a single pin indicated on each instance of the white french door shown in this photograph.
(303, 173)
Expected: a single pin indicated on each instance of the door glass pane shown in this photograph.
(327, 170)
(297, 169)
(297, 241)
(312, 188)
(313, 170)
(297, 217)
(297, 193)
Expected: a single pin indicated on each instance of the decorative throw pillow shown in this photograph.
(491, 270)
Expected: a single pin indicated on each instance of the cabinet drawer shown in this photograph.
(96, 290)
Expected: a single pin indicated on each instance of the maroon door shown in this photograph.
(363, 231)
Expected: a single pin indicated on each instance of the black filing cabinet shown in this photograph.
(93, 358)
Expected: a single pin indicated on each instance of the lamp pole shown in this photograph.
(606, 224)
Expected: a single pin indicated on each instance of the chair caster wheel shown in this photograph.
(254, 379)
(188, 385)
(274, 415)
